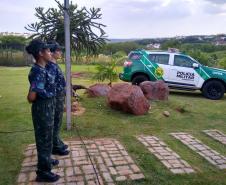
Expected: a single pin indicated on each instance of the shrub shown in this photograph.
(107, 72)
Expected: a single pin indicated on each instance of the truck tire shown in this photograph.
(138, 79)
(213, 90)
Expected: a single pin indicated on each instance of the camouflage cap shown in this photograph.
(35, 46)
(54, 46)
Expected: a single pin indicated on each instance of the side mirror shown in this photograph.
(195, 65)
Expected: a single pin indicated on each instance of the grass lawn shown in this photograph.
(100, 121)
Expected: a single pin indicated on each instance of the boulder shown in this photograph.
(98, 90)
(128, 98)
(157, 90)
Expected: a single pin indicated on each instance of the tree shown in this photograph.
(222, 62)
(213, 60)
(172, 43)
(87, 35)
(11, 41)
(107, 71)
(112, 48)
(203, 58)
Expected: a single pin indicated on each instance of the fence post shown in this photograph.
(11, 57)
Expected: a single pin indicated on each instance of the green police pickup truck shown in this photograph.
(178, 70)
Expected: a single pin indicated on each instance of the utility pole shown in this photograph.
(68, 63)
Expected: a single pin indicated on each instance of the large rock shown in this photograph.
(157, 90)
(128, 98)
(98, 90)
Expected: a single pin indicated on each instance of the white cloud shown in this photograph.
(217, 1)
(210, 7)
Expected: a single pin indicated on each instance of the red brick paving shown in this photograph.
(111, 162)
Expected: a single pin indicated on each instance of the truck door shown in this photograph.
(182, 73)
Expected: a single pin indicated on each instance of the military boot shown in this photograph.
(54, 162)
(44, 176)
(60, 152)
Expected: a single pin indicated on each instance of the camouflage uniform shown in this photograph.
(53, 68)
(43, 84)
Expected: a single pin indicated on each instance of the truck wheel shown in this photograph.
(213, 90)
(138, 79)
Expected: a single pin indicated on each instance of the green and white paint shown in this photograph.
(179, 70)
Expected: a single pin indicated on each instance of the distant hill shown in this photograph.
(121, 40)
(182, 39)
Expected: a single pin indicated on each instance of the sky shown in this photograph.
(131, 18)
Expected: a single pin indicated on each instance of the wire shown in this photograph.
(86, 150)
(16, 131)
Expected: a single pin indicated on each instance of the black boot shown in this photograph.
(60, 152)
(54, 162)
(64, 147)
(43, 176)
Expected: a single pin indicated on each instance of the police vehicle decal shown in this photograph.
(148, 64)
(202, 73)
(159, 72)
(148, 68)
(186, 75)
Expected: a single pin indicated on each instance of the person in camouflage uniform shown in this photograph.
(59, 148)
(42, 96)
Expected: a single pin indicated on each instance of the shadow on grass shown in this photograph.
(193, 94)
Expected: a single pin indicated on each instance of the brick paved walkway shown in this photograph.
(110, 159)
(209, 154)
(169, 158)
(217, 135)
